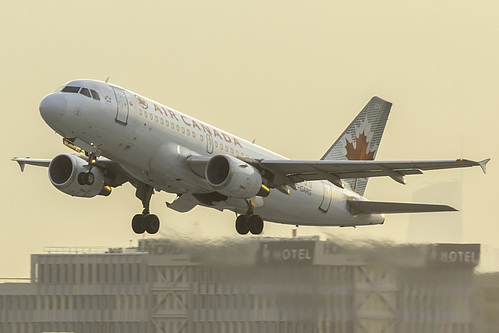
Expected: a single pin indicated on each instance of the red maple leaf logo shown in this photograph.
(141, 101)
(359, 153)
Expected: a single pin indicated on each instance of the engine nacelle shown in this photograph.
(234, 178)
(64, 172)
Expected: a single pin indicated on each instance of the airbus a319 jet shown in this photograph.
(119, 136)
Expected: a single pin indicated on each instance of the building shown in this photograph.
(255, 285)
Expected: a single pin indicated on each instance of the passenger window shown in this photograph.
(71, 89)
(95, 95)
(84, 91)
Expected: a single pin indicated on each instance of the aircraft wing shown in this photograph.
(280, 173)
(117, 176)
(334, 171)
(30, 161)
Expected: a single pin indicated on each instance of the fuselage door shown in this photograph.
(209, 144)
(122, 106)
(326, 198)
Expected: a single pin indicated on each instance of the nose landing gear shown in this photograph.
(145, 221)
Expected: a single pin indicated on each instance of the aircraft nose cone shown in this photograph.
(53, 107)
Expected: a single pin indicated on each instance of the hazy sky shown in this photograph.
(290, 74)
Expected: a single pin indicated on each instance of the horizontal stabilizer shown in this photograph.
(377, 207)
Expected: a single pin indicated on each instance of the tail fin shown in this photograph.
(361, 139)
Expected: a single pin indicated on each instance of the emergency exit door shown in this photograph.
(326, 198)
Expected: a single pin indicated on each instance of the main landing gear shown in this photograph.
(249, 222)
(145, 221)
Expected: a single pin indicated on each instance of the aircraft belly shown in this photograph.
(305, 208)
(301, 206)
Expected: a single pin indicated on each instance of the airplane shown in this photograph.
(120, 136)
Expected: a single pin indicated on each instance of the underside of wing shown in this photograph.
(282, 173)
(334, 171)
(30, 161)
(377, 207)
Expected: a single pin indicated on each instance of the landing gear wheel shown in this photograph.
(138, 225)
(145, 221)
(255, 224)
(151, 223)
(242, 225)
(142, 223)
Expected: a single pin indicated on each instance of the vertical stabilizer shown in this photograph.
(361, 139)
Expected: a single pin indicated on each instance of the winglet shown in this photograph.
(22, 164)
(483, 164)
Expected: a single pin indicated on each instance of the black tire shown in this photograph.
(138, 225)
(255, 224)
(242, 225)
(151, 223)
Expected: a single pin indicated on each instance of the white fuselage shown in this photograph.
(151, 142)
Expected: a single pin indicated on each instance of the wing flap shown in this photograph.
(379, 207)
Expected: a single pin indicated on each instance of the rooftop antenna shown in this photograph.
(107, 79)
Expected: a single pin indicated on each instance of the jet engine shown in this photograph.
(72, 175)
(234, 178)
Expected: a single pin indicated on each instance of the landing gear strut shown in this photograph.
(145, 221)
(249, 222)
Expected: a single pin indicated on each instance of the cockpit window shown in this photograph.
(84, 91)
(71, 89)
(95, 95)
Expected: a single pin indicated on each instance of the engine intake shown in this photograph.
(234, 178)
(65, 174)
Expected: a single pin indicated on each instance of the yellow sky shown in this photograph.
(290, 74)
